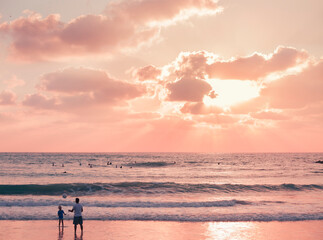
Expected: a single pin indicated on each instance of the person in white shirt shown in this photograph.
(77, 209)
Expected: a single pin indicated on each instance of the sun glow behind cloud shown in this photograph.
(231, 92)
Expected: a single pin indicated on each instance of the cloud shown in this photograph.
(85, 80)
(190, 77)
(123, 24)
(82, 88)
(257, 65)
(299, 93)
(36, 38)
(190, 64)
(204, 64)
(40, 101)
(187, 80)
(7, 98)
(152, 11)
(184, 78)
(188, 89)
(252, 67)
(149, 72)
(296, 91)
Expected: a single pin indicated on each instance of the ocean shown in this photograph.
(184, 187)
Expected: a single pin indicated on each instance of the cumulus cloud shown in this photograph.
(257, 65)
(152, 11)
(80, 88)
(188, 89)
(7, 98)
(185, 78)
(123, 24)
(35, 37)
(183, 89)
(190, 77)
(295, 98)
(85, 80)
(296, 91)
(191, 64)
(149, 72)
(37, 100)
(202, 63)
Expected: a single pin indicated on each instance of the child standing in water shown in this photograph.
(60, 214)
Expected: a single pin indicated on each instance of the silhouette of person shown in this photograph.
(77, 209)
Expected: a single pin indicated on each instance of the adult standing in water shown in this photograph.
(77, 209)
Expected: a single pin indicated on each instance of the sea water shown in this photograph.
(163, 186)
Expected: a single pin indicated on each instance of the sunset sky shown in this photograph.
(161, 75)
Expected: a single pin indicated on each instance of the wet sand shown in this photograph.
(149, 230)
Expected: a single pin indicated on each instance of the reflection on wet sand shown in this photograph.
(231, 230)
(163, 230)
(60, 233)
(76, 237)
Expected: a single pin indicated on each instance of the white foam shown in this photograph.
(178, 217)
(124, 204)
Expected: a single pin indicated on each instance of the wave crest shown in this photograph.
(146, 188)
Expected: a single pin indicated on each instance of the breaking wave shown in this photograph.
(147, 188)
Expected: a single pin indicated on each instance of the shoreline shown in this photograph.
(162, 230)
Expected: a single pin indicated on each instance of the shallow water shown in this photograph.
(163, 186)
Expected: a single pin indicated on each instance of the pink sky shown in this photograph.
(161, 75)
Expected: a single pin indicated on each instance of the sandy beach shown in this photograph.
(120, 230)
